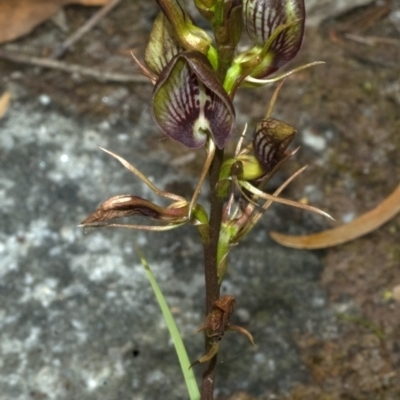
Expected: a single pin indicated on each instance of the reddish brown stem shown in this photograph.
(210, 269)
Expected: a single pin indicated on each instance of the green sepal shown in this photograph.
(225, 180)
(223, 187)
(204, 232)
(162, 46)
(257, 61)
(251, 168)
(212, 56)
(199, 214)
(227, 233)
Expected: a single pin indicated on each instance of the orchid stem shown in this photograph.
(210, 268)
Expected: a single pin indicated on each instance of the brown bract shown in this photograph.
(217, 323)
(19, 17)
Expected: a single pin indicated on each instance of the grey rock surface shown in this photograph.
(78, 318)
(318, 10)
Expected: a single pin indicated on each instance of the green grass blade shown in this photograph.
(188, 374)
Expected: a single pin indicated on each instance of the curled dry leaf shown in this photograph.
(126, 205)
(19, 17)
(122, 206)
(217, 323)
(361, 226)
(4, 103)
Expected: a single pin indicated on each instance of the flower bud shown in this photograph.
(190, 36)
(271, 139)
(250, 168)
(205, 7)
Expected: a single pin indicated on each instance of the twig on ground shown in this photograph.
(72, 68)
(85, 28)
(372, 40)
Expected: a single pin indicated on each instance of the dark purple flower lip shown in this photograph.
(190, 104)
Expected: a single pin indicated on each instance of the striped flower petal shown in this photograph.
(163, 45)
(262, 18)
(271, 139)
(189, 102)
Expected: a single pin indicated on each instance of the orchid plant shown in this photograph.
(196, 77)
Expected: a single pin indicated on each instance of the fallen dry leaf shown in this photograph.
(396, 293)
(4, 103)
(361, 226)
(19, 17)
(90, 2)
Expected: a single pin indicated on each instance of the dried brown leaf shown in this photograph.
(19, 17)
(122, 206)
(361, 226)
(126, 205)
(89, 2)
(5, 99)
